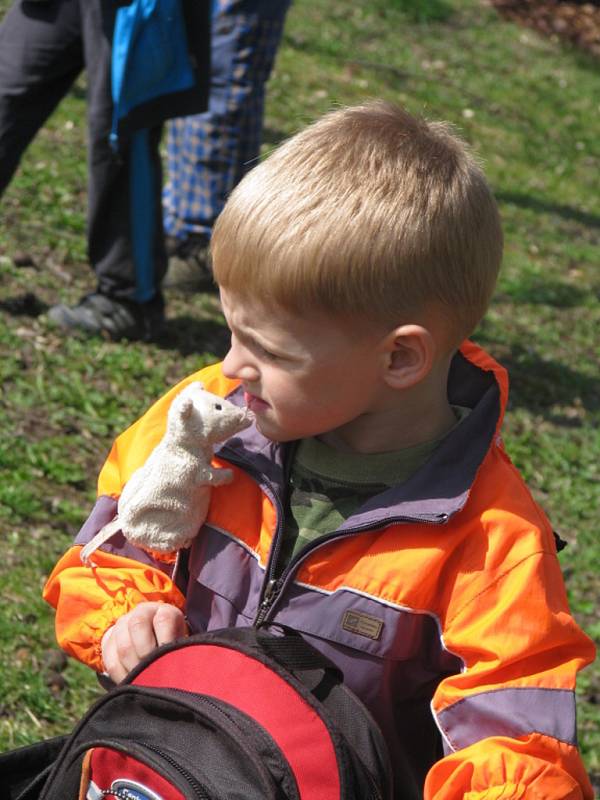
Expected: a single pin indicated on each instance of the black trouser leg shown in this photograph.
(40, 57)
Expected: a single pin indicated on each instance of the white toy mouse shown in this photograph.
(165, 502)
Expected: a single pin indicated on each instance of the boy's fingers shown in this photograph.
(133, 636)
(137, 633)
(116, 672)
(142, 640)
(169, 624)
(110, 658)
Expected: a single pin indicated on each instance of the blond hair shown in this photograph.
(369, 211)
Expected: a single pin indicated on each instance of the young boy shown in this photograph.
(373, 506)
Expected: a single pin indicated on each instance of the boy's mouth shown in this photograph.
(254, 403)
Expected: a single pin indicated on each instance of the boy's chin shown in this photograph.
(273, 433)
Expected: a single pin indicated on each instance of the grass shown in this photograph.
(530, 108)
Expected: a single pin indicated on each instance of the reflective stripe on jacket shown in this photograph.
(441, 599)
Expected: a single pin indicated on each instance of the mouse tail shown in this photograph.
(103, 535)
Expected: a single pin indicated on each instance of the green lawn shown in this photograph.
(530, 108)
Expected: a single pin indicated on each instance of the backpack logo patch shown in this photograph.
(362, 624)
(124, 789)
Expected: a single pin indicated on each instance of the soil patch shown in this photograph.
(574, 22)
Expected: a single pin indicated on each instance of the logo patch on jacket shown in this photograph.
(362, 624)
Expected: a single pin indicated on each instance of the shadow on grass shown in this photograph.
(188, 335)
(422, 11)
(27, 304)
(536, 290)
(543, 206)
(539, 384)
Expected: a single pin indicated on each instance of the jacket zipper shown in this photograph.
(268, 593)
(272, 587)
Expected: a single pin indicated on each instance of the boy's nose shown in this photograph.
(236, 367)
(228, 366)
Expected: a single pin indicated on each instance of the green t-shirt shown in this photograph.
(328, 486)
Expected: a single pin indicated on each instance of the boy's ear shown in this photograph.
(409, 356)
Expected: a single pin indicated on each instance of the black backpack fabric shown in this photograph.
(236, 714)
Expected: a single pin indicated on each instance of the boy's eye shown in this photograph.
(264, 353)
(268, 355)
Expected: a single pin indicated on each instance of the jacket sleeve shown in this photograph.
(508, 719)
(88, 600)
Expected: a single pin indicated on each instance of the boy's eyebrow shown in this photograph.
(249, 336)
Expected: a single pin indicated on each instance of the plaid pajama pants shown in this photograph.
(208, 154)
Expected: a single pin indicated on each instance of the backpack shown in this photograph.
(235, 714)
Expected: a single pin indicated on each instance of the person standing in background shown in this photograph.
(209, 153)
(156, 67)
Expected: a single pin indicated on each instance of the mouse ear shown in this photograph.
(186, 407)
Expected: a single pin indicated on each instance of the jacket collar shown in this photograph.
(440, 488)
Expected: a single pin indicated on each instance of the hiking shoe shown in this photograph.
(189, 264)
(116, 319)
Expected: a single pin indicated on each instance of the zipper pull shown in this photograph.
(269, 591)
(269, 597)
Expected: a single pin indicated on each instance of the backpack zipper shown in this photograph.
(199, 789)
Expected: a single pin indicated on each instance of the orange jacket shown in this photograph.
(442, 599)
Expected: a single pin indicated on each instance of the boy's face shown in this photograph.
(302, 375)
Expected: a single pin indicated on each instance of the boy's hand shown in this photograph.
(137, 633)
